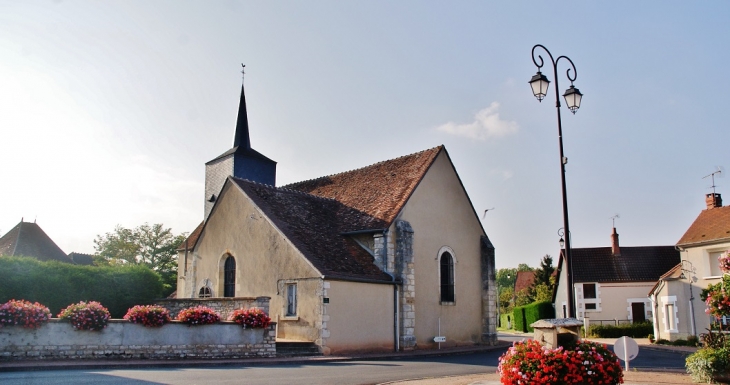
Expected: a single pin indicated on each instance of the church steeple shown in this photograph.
(241, 138)
(241, 161)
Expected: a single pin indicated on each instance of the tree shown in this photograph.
(152, 246)
(545, 271)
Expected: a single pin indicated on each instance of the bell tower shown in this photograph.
(241, 161)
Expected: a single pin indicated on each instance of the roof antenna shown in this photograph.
(613, 220)
(719, 171)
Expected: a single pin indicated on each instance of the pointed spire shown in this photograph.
(242, 139)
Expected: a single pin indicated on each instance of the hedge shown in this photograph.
(526, 315)
(633, 330)
(57, 284)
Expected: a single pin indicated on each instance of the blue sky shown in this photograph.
(109, 109)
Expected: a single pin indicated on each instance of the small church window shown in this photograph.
(447, 278)
(291, 300)
(205, 292)
(229, 277)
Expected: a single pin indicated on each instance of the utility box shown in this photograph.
(552, 333)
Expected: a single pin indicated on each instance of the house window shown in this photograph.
(291, 300)
(447, 277)
(229, 277)
(589, 291)
(715, 264)
(205, 292)
(670, 313)
(590, 306)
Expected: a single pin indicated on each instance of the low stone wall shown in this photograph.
(122, 339)
(224, 306)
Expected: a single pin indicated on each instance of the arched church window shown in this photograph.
(205, 292)
(229, 277)
(447, 277)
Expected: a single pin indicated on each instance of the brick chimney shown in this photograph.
(615, 251)
(713, 200)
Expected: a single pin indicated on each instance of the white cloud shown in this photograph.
(486, 125)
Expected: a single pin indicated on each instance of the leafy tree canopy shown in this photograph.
(153, 246)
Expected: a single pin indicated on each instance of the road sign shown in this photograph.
(626, 349)
(439, 339)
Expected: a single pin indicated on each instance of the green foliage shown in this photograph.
(519, 321)
(543, 293)
(524, 267)
(152, 246)
(58, 284)
(505, 300)
(707, 362)
(545, 271)
(537, 311)
(507, 321)
(525, 315)
(633, 330)
(523, 298)
(712, 339)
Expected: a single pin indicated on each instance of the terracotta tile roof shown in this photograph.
(28, 239)
(524, 280)
(192, 239)
(379, 190)
(315, 226)
(712, 225)
(635, 264)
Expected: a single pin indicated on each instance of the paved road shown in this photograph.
(347, 373)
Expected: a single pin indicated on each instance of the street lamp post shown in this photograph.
(539, 84)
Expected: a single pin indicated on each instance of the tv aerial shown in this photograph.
(719, 172)
(613, 219)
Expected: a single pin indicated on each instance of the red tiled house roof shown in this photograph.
(315, 226)
(712, 225)
(524, 280)
(28, 239)
(380, 190)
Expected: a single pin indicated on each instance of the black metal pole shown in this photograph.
(563, 161)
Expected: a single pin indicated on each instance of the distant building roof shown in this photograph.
(81, 259)
(712, 225)
(28, 239)
(635, 264)
(524, 280)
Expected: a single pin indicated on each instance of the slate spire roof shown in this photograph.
(241, 137)
(28, 239)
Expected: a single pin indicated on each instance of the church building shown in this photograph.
(385, 257)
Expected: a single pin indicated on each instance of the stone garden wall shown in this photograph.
(224, 306)
(122, 339)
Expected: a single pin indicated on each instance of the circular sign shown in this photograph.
(626, 348)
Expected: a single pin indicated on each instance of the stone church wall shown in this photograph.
(124, 340)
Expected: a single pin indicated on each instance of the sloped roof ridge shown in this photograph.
(439, 147)
(286, 190)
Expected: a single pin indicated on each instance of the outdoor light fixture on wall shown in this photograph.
(539, 84)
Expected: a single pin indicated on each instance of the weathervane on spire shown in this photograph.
(243, 70)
